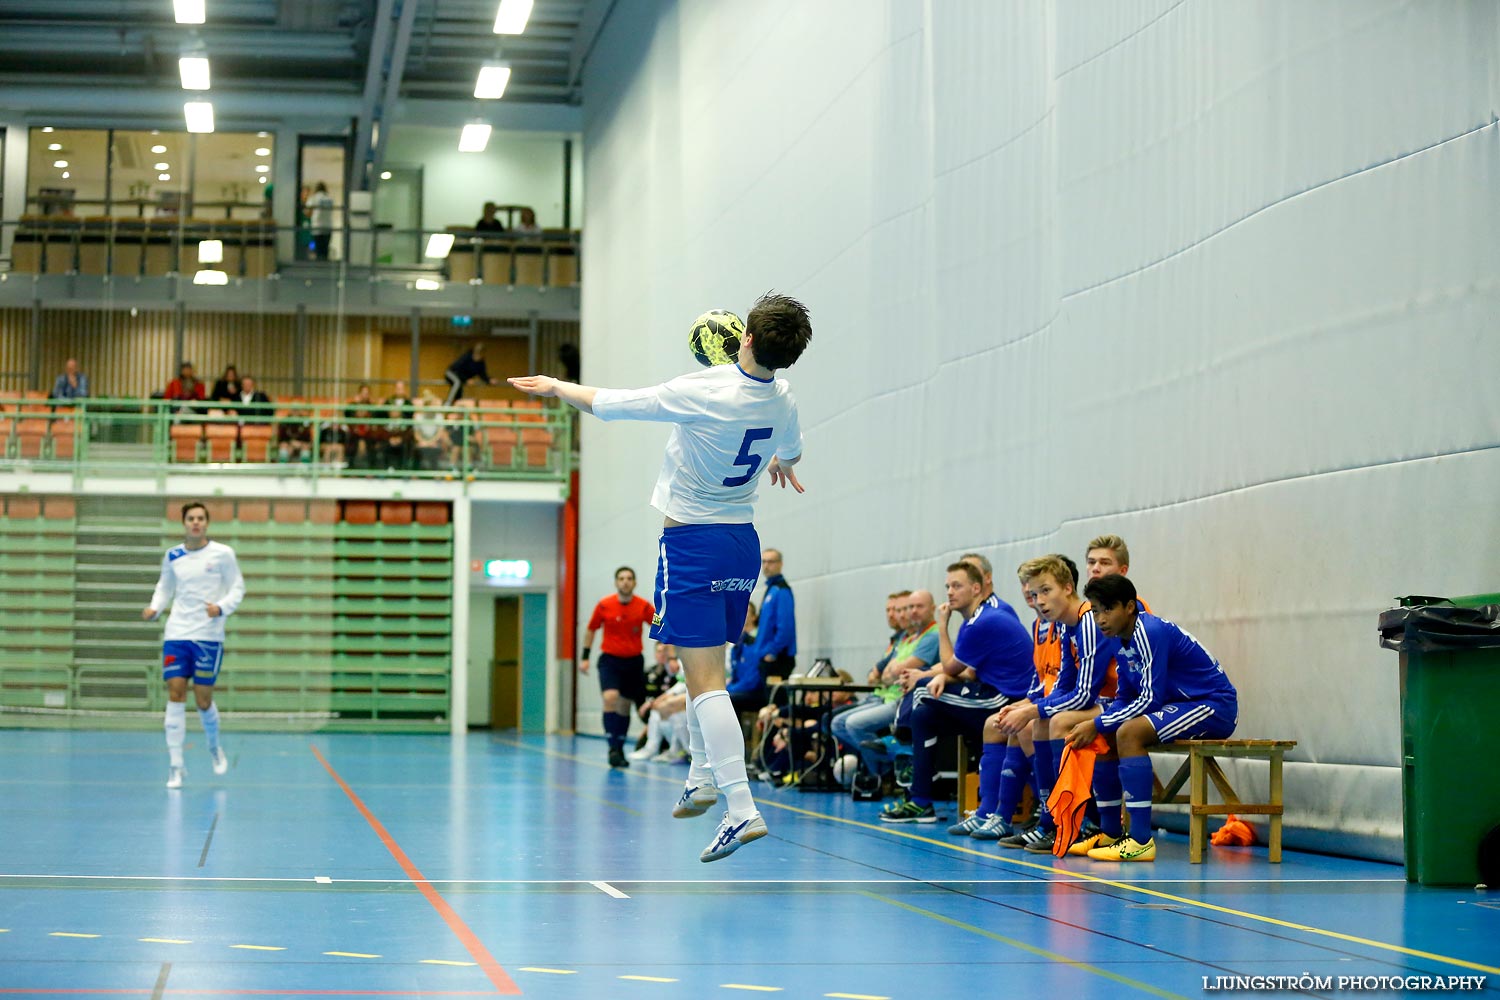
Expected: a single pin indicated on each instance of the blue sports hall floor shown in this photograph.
(346, 865)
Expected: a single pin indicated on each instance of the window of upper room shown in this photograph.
(233, 175)
(66, 171)
(148, 173)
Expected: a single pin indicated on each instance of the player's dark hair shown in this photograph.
(192, 505)
(969, 570)
(1110, 590)
(624, 569)
(779, 329)
(1072, 567)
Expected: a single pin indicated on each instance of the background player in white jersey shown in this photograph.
(732, 422)
(201, 580)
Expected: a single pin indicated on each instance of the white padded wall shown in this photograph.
(1219, 278)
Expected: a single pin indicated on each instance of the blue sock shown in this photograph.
(1044, 765)
(1135, 779)
(615, 727)
(991, 763)
(1012, 781)
(1107, 794)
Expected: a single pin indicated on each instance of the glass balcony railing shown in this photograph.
(129, 247)
(473, 440)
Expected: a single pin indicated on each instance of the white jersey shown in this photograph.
(193, 578)
(728, 425)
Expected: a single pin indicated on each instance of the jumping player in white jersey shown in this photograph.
(201, 580)
(731, 422)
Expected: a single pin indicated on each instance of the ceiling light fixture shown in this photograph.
(385, 175)
(66, 175)
(428, 285)
(59, 163)
(163, 166)
(47, 128)
(438, 245)
(188, 11)
(54, 146)
(261, 178)
(210, 276)
(512, 17)
(475, 137)
(492, 80)
(210, 251)
(194, 72)
(200, 116)
(163, 177)
(263, 151)
(158, 148)
(261, 168)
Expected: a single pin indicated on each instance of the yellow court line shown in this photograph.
(649, 979)
(742, 986)
(441, 961)
(349, 954)
(68, 934)
(163, 941)
(1030, 948)
(550, 972)
(1078, 875)
(257, 947)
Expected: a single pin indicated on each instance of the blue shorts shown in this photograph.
(1195, 720)
(190, 658)
(705, 574)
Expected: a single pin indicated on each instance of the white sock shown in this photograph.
(699, 773)
(725, 745)
(210, 718)
(677, 727)
(176, 726)
(653, 732)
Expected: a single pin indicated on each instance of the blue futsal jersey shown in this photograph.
(1086, 653)
(1161, 664)
(998, 647)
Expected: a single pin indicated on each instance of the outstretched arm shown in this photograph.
(578, 396)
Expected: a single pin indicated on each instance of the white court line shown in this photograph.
(323, 880)
(609, 890)
(720, 881)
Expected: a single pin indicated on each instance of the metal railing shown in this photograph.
(128, 247)
(474, 440)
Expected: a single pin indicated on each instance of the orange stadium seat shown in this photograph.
(222, 438)
(395, 512)
(254, 511)
(185, 441)
(290, 511)
(537, 443)
(432, 513)
(359, 511)
(59, 508)
(255, 442)
(24, 508)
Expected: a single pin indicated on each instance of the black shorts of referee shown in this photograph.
(625, 674)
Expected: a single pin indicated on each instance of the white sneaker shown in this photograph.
(175, 776)
(695, 800)
(221, 762)
(644, 753)
(731, 836)
(669, 757)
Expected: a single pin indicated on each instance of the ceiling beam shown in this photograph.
(397, 68)
(379, 45)
(590, 23)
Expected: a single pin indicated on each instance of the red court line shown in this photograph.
(476, 949)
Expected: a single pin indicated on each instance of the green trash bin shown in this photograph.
(1450, 701)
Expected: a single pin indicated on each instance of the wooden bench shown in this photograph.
(1201, 766)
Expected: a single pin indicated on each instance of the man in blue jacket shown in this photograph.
(777, 640)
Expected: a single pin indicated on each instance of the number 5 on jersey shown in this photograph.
(745, 458)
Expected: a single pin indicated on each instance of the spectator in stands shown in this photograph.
(321, 216)
(227, 388)
(397, 434)
(777, 640)
(487, 222)
(363, 436)
(527, 226)
(915, 650)
(468, 366)
(984, 669)
(747, 686)
(185, 387)
(429, 433)
(1170, 688)
(72, 383)
(252, 404)
(666, 718)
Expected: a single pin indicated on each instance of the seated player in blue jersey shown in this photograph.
(1170, 688)
(984, 669)
(731, 423)
(1085, 657)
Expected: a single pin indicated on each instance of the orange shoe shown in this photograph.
(1126, 849)
(1081, 848)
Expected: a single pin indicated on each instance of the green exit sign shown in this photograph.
(508, 569)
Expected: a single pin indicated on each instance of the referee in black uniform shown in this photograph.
(469, 366)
